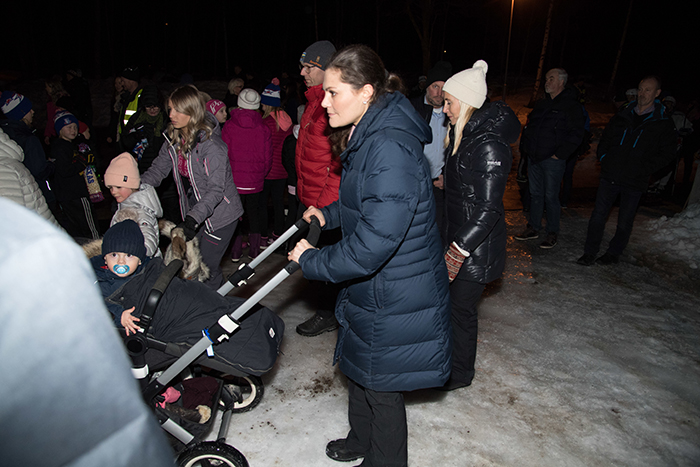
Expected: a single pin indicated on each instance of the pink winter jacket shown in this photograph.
(280, 118)
(249, 149)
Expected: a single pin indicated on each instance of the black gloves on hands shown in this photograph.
(189, 227)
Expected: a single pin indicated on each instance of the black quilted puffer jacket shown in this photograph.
(475, 180)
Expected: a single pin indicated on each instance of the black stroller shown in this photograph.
(216, 384)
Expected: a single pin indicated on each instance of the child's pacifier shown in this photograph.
(120, 268)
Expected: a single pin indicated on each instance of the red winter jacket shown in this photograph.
(318, 170)
(279, 134)
(249, 149)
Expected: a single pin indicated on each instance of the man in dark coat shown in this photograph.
(553, 132)
(429, 106)
(637, 142)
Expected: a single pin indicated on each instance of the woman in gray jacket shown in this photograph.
(198, 159)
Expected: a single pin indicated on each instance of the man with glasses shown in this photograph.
(318, 171)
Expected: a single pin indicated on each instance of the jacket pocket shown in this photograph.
(378, 284)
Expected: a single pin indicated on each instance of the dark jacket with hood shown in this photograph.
(68, 181)
(554, 127)
(630, 153)
(394, 309)
(475, 180)
(188, 307)
(34, 156)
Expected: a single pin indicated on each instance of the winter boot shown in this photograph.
(254, 242)
(237, 248)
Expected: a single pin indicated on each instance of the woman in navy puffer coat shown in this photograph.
(476, 172)
(394, 308)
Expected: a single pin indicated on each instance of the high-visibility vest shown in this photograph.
(131, 109)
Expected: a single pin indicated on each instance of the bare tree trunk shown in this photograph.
(536, 88)
(424, 29)
(608, 94)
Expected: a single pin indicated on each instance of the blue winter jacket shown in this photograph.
(393, 311)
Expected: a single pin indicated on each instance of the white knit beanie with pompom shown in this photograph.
(469, 86)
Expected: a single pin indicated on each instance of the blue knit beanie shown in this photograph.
(15, 106)
(271, 94)
(63, 118)
(124, 237)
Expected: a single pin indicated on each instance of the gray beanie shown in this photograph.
(318, 54)
(469, 86)
(249, 99)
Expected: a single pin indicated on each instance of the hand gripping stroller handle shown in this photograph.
(312, 237)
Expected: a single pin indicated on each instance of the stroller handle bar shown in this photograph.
(246, 271)
(227, 324)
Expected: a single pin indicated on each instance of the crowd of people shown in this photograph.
(409, 194)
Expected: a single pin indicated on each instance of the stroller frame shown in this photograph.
(139, 343)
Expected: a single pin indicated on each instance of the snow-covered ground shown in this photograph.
(675, 237)
(576, 366)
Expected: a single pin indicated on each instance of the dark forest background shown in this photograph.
(207, 38)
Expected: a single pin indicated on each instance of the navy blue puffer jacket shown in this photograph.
(475, 180)
(394, 308)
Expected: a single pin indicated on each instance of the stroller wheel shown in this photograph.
(246, 392)
(211, 453)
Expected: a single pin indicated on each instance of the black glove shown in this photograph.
(189, 227)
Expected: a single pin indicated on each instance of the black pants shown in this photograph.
(274, 189)
(464, 295)
(79, 217)
(251, 205)
(377, 426)
(213, 247)
(605, 198)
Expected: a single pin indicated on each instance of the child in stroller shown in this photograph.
(126, 276)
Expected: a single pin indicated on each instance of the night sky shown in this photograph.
(206, 38)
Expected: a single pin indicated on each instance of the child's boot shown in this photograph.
(254, 242)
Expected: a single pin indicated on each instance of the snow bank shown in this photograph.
(676, 237)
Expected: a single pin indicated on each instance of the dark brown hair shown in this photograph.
(360, 65)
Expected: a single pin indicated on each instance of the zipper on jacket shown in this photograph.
(638, 136)
(623, 137)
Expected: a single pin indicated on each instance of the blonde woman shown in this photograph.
(478, 159)
(198, 159)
